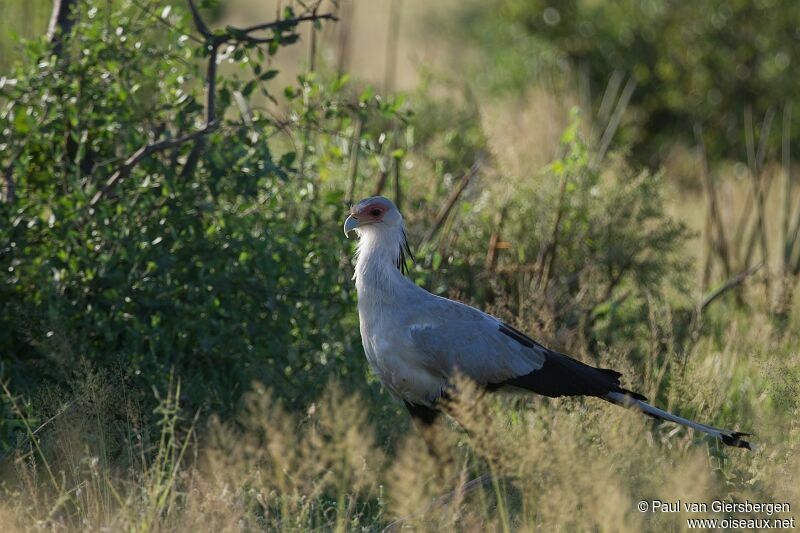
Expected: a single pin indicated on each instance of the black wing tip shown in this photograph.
(735, 439)
(517, 335)
(610, 373)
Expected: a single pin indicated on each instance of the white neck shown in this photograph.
(377, 254)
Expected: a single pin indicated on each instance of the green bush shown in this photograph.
(219, 258)
(588, 248)
(693, 62)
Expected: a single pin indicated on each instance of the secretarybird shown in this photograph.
(416, 341)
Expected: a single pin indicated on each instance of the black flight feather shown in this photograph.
(561, 375)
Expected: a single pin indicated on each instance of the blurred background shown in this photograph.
(177, 317)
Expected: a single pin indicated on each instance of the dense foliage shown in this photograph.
(705, 63)
(216, 258)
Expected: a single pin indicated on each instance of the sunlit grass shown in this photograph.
(555, 464)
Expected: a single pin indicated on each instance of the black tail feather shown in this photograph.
(728, 437)
(735, 439)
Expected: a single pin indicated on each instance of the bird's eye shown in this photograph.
(375, 212)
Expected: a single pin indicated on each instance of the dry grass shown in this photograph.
(556, 465)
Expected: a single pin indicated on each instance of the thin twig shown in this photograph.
(721, 242)
(547, 259)
(396, 163)
(613, 123)
(383, 175)
(385, 163)
(213, 42)
(452, 199)
(786, 158)
(491, 254)
(732, 283)
(696, 316)
(142, 153)
(609, 97)
(10, 192)
(352, 170)
(756, 175)
(199, 23)
(61, 22)
(312, 48)
(766, 128)
(285, 23)
(8, 173)
(211, 113)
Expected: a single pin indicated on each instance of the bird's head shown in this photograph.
(376, 214)
(382, 238)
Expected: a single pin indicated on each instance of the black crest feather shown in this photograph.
(405, 252)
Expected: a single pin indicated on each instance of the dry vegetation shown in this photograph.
(548, 465)
(555, 465)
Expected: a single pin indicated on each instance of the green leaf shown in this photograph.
(287, 159)
(367, 94)
(268, 75)
(437, 260)
(248, 88)
(22, 121)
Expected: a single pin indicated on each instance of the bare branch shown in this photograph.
(609, 97)
(210, 122)
(284, 23)
(199, 22)
(383, 175)
(721, 243)
(352, 170)
(10, 186)
(756, 175)
(398, 191)
(140, 154)
(494, 241)
(732, 283)
(61, 22)
(613, 123)
(452, 199)
(786, 158)
(213, 42)
(549, 251)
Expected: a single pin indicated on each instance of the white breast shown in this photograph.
(394, 359)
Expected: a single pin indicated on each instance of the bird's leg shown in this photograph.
(428, 423)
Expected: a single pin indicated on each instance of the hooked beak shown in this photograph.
(349, 225)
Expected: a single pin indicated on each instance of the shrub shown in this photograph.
(693, 62)
(217, 257)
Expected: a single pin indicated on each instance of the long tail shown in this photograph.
(731, 438)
